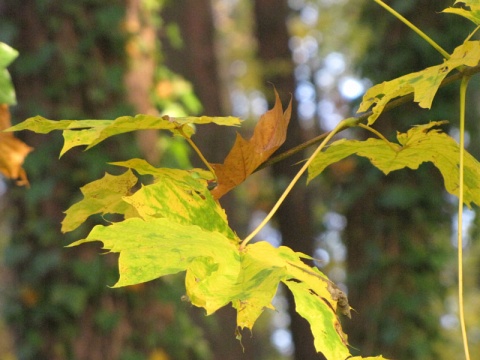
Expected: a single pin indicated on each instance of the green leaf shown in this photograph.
(327, 331)
(219, 273)
(423, 84)
(179, 196)
(157, 247)
(469, 10)
(92, 132)
(420, 144)
(144, 168)
(104, 196)
(7, 55)
(7, 91)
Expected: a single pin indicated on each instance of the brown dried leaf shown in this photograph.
(245, 156)
(12, 151)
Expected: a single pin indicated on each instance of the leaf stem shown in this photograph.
(197, 150)
(380, 135)
(472, 33)
(340, 126)
(424, 36)
(463, 91)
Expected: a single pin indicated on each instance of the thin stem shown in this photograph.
(341, 125)
(197, 150)
(463, 91)
(424, 36)
(380, 135)
(473, 33)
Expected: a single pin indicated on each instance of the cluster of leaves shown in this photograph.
(173, 223)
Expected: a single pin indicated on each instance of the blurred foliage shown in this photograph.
(403, 220)
(72, 65)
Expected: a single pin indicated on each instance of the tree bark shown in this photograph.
(294, 215)
(196, 61)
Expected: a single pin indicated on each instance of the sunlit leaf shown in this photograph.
(218, 272)
(12, 151)
(420, 144)
(92, 132)
(245, 156)
(103, 196)
(327, 331)
(157, 247)
(469, 9)
(179, 196)
(144, 168)
(423, 84)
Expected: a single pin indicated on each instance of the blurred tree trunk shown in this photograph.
(139, 79)
(397, 230)
(294, 215)
(196, 61)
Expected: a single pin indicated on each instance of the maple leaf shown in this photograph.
(424, 84)
(180, 195)
(92, 132)
(246, 156)
(102, 196)
(470, 10)
(12, 151)
(420, 144)
(218, 272)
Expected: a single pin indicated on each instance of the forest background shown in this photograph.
(388, 240)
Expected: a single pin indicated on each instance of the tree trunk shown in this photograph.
(294, 215)
(196, 61)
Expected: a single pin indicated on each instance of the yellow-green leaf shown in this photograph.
(144, 168)
(329, 338)
(423, 84)
(103, 196)
(92, 132)
(469, 9)
(219, 273)
(420, 144)
(179, 196)
(157, 247)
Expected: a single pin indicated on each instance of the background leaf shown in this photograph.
(7, 91)
(12, 151)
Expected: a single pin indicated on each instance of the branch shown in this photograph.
(364, 116)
